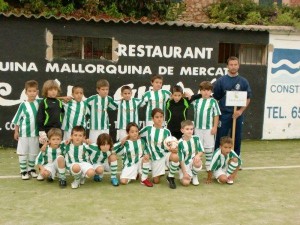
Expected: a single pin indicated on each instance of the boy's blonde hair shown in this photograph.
(54, 132)
(102, 83)
(205, 85)
(156, 76)
(105, 139)
(31, 84)
(50, 84)
(226, 140)
(78, 129)
(185, 123)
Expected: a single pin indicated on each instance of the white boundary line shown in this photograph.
(244, 168)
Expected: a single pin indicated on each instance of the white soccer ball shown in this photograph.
(171, 143)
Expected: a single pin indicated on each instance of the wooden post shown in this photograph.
(233, 128)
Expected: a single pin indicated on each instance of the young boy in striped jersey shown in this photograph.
(190, 151)
(155, 98)
(99, 104)
(26, 131)
(225, 162)
(128, 111)
(132, 155)
(77, 157)
(206, 119)
(76, 111)
(51, 160)
(103, 158)
(160, 158)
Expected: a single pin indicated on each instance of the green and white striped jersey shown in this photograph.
(154, 138)
(96, 155)
(128, 111)
(98, 108)
(131, 151)
(188, 149)
(220, 161)
(204, 112)
(155, 99)
(49, 155)
(25, 118)
(76, 154)
(75, 115)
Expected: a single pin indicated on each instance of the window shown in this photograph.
(247, 53)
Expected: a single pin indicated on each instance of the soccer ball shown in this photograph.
(171, 143)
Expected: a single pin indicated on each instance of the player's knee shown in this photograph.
(222, 179)
(124, 181)
(156, 180)
(185, 182)
(76, 168)
(90, 173)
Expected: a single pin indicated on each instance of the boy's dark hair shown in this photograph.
(76, 87)
(226, 140)
(54, 132)
(78, 129)
(131, 124)
(177, 88)
(102, 83)
(156, 110)
(105, 139)
(125, 87)
(205, 85)
(50, 84)
(232, 58)
(156, 76)
(31, 84)
(185, 123)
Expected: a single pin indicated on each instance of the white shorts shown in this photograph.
(84, 166)
(159, 166)
(131, 172)
(219, 172)
(52, 168)
(121, 134)
(67, 135)
(206, 138)
(95, 133)
(28, 146)
(105, 166)
(188, 169)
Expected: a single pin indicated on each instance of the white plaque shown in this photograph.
(236, 98)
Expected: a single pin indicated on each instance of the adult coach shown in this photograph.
(232, 81)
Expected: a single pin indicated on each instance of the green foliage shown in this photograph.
(174, 11)
(3, 6)
(112, 10)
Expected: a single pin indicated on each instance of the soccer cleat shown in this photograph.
(25, 176)
(50, 179)
(62, 183)
(82, 180)
(40, 177)
(33, 173)
(195, 180)
(171, 181)
(147, 183)
(97, 178)
(75, 184)
(115, 181)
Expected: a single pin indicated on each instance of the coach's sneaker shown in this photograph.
(195, 180)
(147, 183)
(40, 177)
(25, 176)
(97, 178)
(62, 183)
(82, 180)
(114, 181)
(33, 173)
(171, 181)
(75, 184)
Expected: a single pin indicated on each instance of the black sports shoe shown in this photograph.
(62, 183)
(171, 181)
(49, 179)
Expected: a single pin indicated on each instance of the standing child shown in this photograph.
(76, 111)
(132, 151)
(155, 136)
(51, 160)
(190, 150)
(77, 157)
(99, 104)
(206, 119)
(26, 132)
(225, 162)
(102, 158)
(128, 111)
(155, 98)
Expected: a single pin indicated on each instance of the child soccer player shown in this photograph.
(50, 113)
(51, 160)
(127, 111)
(102, 157)
(99, 104)
(154, 136)
(190, 150)
(77, 157)
(225, 162)
(26, 132)
(132, 151)
(76, 111)
(155, 98)
(206, 119)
